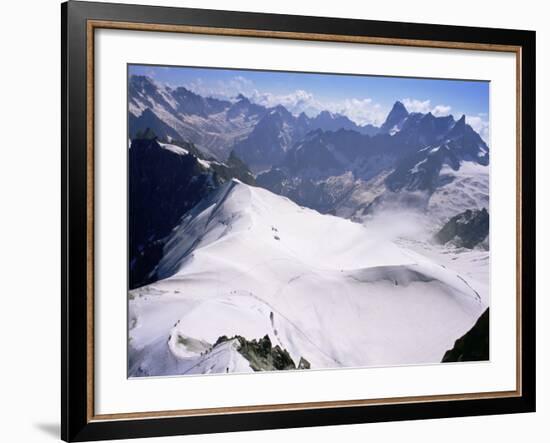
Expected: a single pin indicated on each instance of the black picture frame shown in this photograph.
(76, 422)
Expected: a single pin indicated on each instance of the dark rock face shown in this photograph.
(322, 154)
(327, 121)
(163, 187)
(395, 118)
(439, 141)
(304, 364)
(318, 195)
(270, 139)
(468, 144)
(321, 162)
(212, 124)
(193, 104)
(246, 108)
(420, 170)
(273, 180)
(233, 167)
(466, 229)
(421, 130)
(262, 356)
(474, 345)
(415, 155)
(273, 139)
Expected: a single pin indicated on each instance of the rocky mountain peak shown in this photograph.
(395, 118)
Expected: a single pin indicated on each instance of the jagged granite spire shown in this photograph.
(395, 118)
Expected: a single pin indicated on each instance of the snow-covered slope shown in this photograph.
(457, 190)
(246, 261)
(466, 188)
(165, 181)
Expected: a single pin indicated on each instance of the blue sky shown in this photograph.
(364, 99)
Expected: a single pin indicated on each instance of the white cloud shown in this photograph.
(425, 106)
(221, 89)
(361, 111)
(480, 125)
(151, 73)
(441, 110)
(478, 122)
(296, 101)
(239, 83)
(414, 105)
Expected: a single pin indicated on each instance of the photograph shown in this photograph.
(285, 220)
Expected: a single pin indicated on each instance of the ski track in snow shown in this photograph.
(252, 263)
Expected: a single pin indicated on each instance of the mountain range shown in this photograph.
(350, 174)
(259, 135)
(165, 181)
(262, 240)
(326, 162)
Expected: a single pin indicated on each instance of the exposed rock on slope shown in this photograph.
(395, 119)
(343, 302)
(262, 356)
(179, 114)
(166, 181)
(416, 160)
(474, 345)
(261, 135)
(466, 230)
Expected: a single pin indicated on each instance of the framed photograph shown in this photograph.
(277, 221)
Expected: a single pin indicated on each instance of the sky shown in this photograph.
(364, 99)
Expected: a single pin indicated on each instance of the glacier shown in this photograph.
(245, 261)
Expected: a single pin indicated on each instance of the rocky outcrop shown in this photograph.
(262, 356)
(165, 182)
(466, 230)
(472, 346)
